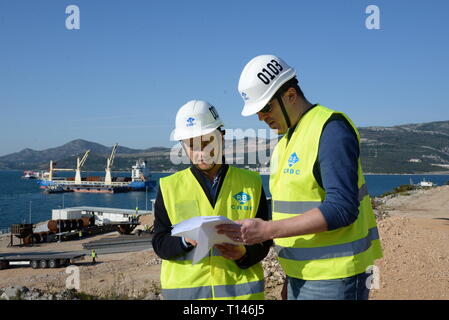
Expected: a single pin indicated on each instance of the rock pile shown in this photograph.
(380, 211)
(23, 293)
(153, 296)
(274, 275)
(153, 261)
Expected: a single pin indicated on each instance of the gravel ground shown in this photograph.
(415, 240)
(414, 230)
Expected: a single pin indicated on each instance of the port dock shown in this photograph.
(77, 222)
(138, 181)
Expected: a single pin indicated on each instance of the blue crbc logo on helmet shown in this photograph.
(245, 96)
(190, 122)
(241, 198)
(291, 162)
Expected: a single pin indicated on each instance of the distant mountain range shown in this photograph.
(65, 156)
(411, 148)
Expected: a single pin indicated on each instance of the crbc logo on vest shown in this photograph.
(291, 162)
(241, 198)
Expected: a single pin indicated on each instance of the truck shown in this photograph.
(40, 260)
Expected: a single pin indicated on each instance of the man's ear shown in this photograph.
(291, 95)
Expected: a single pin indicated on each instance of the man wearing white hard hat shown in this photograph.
(323, 226)
(208, 188)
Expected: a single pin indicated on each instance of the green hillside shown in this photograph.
(411, 148)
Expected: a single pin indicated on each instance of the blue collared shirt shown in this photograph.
(337, 172)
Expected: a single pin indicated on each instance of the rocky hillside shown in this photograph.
(411, 148)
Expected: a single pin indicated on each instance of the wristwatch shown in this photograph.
(187, 245)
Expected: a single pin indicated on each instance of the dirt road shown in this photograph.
(414, 235)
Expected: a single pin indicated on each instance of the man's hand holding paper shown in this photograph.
(231, 251)
(202, 230)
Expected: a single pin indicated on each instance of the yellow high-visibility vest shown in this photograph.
(339, 253)
(213, 277)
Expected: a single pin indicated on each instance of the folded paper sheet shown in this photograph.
(202, 230)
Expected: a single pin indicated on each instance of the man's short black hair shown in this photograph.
(292, 83)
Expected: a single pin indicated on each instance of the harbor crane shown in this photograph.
(110, 162)
(52, 168)
(79, 164)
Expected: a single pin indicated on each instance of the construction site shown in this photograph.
(413, 228)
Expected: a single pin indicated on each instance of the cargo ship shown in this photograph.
(30, 175)
(138, 181)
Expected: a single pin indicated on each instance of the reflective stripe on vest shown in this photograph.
(187, 293)
(222, 291)
(363, 191)
(299, 207)
(335, 251)
(189, 255)
(294, 207)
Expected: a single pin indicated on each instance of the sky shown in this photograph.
(122, 76)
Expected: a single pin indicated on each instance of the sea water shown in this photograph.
(22, 201)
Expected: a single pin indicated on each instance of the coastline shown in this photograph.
(413, 228)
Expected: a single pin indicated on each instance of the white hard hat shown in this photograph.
(196, 118)
(260, 80)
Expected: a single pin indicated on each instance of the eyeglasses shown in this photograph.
(267, 108)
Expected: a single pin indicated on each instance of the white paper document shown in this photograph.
(202, 230)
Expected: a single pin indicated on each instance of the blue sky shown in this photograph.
(124, 74)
